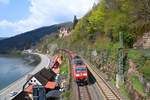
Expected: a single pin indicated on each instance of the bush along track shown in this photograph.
(65, 71)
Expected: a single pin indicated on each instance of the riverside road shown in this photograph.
(17, 86)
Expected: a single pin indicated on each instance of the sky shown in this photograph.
(18, 16)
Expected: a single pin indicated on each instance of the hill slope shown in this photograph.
(25, 40)
(95, 37)
(101, 26)
(1, 38)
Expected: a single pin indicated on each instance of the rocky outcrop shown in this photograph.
(132, 69)
(146, 87)
(109, 71)
(144, 42)
(133, 94)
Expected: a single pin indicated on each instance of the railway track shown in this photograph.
(102, 86)
(107, 92)
(83, 93)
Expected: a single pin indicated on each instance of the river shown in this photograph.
(13, 68)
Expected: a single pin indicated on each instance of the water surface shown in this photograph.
(12, 68)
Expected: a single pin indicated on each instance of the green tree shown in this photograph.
(75, 21)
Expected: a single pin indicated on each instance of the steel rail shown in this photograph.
(99, 85)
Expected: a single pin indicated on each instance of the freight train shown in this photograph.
(80, 71)
(79, 68)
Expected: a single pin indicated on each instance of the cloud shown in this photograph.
(47, 12)
(4, 1)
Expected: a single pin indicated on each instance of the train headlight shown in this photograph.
(77, 75)
(85, 74)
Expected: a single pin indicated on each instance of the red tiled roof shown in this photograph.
(44, 76)
(50, 85)
(56, 70)
(29, 89)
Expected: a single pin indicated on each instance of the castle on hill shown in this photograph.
(63, 32)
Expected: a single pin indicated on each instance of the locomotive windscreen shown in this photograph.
(83, 69)
(78, 70)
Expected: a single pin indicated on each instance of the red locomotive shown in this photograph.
(80, 71)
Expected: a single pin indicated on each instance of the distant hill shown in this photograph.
(2, 38)
(29, 38)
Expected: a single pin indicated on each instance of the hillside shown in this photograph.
(107, 19)
(96, 37)
(28, 39)
(1, 38)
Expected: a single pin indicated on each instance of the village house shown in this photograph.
(45, 77)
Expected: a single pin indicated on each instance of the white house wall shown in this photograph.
(33, 80)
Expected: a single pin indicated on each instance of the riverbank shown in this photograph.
(17, 85)
(28, 57)
(32, 59)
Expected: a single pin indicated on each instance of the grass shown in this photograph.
(68, 91)
(122, 89)
(136, 83)
(133, 52)
(67, 95)
(112, 81)
(146, 70)
(63, 68)
(141, 61)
